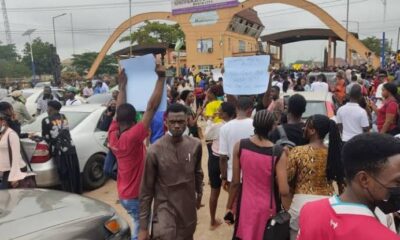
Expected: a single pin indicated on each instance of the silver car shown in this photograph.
(27, 214)
(88, 139)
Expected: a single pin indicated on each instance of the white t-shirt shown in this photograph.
(231, 133)
(353, 118)
(319, 87)
(378, 95)
(74, 102)
(278, 84)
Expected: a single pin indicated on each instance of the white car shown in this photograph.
(88, 139)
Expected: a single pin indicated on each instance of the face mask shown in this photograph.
(392, 203)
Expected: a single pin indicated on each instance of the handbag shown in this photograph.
(277, 227)
(28, 181)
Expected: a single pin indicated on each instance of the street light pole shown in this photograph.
(28, 33)
(72, 35)
(347, 31)
(130, 29)
(54, 29)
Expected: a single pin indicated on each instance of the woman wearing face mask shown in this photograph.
(372, 168)
(7, 109)
(312, 168)
(13, 169)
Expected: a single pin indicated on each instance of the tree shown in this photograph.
(10, 64)
(374, 44)
(83, 62)
(155, 32)
(43, 54)
(8, 52)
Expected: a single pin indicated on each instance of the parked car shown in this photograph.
(49, 214)
(103, 98)
(42, 84)
(317, 103)
(88, 139)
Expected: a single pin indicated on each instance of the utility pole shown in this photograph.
(383, 34)
(54, 29)
(347, 32)
(398, 39)
(72, 35)
(29, 33)
(130, 29)
(6, 23)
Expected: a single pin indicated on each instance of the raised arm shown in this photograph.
(155, 98)
(122, 81)
(267, 99)
(235, 184)
(199, 176)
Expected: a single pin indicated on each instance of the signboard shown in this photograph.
(192, 6)
(204, 18)
(246, 75)
(142, 79)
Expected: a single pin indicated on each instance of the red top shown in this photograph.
(389, 107)
(331, 219)
(129, 149)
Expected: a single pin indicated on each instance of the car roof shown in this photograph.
(82, 108)
(312, 96)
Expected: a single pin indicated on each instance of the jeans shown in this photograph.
(133, 208)
(109, 164)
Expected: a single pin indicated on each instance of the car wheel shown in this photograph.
(93, 174)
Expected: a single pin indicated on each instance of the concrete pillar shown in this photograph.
(329, 51)
(334, 52)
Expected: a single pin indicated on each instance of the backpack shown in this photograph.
(284, 140)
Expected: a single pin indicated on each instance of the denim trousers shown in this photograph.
(109, 164)
(133, 209)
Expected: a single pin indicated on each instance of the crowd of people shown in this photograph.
(338, 179)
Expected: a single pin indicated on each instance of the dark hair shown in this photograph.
(322, 77)
(177, 108)
(297, 105)
(354, 78)
(276, 88)
(229, 109)
(323, 125)
(54, 104)
(217, 90)
(311, 79)
(174, 95)
(363, 75)
(185, 94)
(355, 92)
(244, 103)
(126, 113)
(263, 123)
(392, 88)
(368, 152)
(5, 106)
(285, 85)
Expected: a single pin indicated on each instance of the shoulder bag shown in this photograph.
(28, 181)
(277, 227)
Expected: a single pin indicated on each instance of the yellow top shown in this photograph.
(211, 111)
(307, 171)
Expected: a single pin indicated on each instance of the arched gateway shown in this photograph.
(219, 28)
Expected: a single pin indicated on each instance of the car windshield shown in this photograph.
(99, 98)
(74, 118)
(314, 107)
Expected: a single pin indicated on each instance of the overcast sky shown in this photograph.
(94, 21)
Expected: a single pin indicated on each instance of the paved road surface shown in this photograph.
(108, 194)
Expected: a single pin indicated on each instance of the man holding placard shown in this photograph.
(126, 138)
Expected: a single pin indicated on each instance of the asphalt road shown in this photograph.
(108, 194)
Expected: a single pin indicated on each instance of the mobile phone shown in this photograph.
(229, 218)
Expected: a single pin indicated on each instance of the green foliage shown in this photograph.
(83, 62)
(10, 64)
(155, 32)
(374, 44)
(42, 53)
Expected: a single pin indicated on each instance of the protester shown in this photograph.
(276, 106)
(88, 90)
(55, 131)
(293, 129)
(300, 85)
(200, 95)
(70, 95)
(312, 168)
(388, 114)
(188, 99)
(227, 112)
(256, 159)
(232, 132)
(320, 85)
(43, 101)
(7, 109)
(126, 140)
(176, 196)
(212, 105)
(13, 169)
(340, 88)
(21, 112)
(98, 88)
(351, 118)
(372, 166)
(354, 81)
(380, 81)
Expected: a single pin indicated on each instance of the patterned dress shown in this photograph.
(55, 131)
